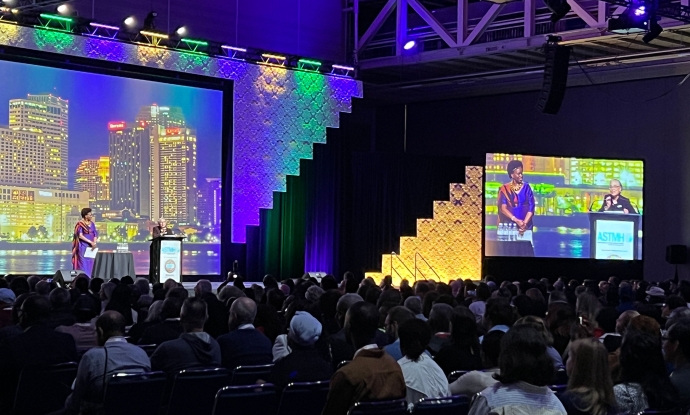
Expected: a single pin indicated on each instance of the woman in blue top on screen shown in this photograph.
(516, 202)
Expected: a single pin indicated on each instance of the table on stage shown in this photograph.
(509, 248)
(109, 265)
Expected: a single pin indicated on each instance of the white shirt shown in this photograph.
(368, 346)
(246, 327)
(473, 382)
(423, 378)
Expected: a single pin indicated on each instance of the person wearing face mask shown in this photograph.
(615, 201)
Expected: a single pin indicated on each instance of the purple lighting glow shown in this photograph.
(409, 45)
(640, 11)
(104, 26)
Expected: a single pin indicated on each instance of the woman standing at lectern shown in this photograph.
(85, 237)
(162, 228)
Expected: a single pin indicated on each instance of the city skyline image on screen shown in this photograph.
(131, 150)
(563, 207)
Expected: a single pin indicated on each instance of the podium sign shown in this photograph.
(614, 235)
(170, 264)
(615, 240)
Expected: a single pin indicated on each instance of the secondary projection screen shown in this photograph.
(132, 150)
(563, 207)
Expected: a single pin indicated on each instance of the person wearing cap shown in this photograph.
(655, 295)
(303, 363)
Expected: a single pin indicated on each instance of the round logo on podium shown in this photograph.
(170, 266)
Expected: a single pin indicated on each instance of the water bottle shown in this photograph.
(499, 232)
(513, 232)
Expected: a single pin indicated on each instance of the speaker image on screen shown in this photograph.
(555, 78)
(64, 276)
(676, 254)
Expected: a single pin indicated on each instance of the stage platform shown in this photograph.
(189, 286)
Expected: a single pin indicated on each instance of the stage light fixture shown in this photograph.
(409, 44)
(194, 44)
(629, 22)
(156, 35)
(654, 30)
(103, 26)
(233, 51)
(181, 31)
(130, 21)
(341, 70)
(63, 9)
(150, 21)
(271, 59)
(103, 30)
(308, 65)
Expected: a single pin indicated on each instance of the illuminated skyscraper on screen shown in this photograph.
(173, 163)
(93, 176)
(47, 116)
(209, 202)
(130, 168)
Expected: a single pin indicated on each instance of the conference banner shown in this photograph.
(170, 260)
(614, 239)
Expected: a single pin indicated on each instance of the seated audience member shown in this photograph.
(590, 389)
(340, 348)
(423, 377)
(439, 322)
(61, 314)
(396, 317)
(15, 328)
(217, 322)
(37, 345)
(678, 314)
(676, 347)
(414, 304)
(153, 316)
(7, 299)
(168, 328)
(463, 353)
(244, 344)
(477, 380)
(644, 380)
(97, 364)
(372, 375)
(195, 349)
(328, 303)
(84, 330)
(561, 321)
(499, 315)
(303, 363)
(538, 324)
(525, 371)
(478, 306)
(19, 285)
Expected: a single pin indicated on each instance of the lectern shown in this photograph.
(166, 258)
(614, 235)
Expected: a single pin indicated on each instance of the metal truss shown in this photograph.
(28, 5)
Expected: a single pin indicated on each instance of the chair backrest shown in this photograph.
(396, 407)
(246, 400)
(53, 383)
(343, 363)
(148, 348)
(134, 393)
(674, 411)
(303, 398)
(248, 375)
(454, 375)
(194, 391)
(451, 405)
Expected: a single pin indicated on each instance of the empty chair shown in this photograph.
(454, 375)
(194, 391)
(451, 405)
(396, 407)
(134, 393)
(248, 375)
(303, 398)
(53, 383)
(245, 400)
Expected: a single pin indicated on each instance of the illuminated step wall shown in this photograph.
(448, 246)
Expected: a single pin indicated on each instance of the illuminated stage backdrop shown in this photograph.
(278, 113)
(448, 246)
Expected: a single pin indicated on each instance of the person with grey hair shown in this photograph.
(244, 345)
(678, 314)
(201, 287)
(194, 349)
(43, 288)
(414, 304)
(154, 250)
(314, 293)
(230, 291)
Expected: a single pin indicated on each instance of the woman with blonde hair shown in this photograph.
(590, 389)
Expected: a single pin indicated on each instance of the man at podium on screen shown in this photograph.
(615, 201)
